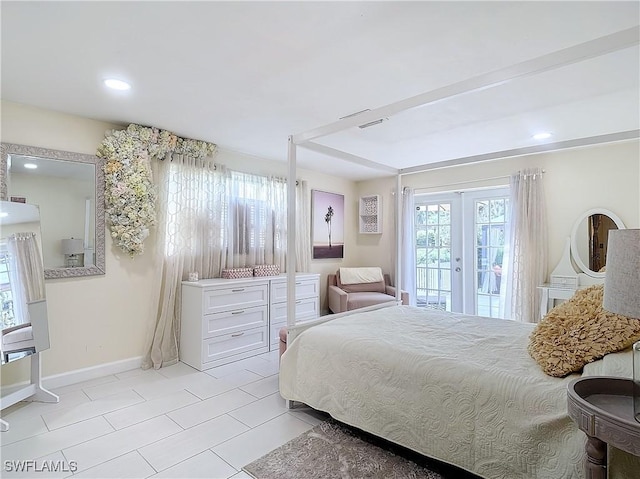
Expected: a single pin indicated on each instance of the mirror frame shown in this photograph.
(14, 149)
(574, 238)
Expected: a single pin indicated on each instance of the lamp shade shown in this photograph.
(622, 278)
(72, 246)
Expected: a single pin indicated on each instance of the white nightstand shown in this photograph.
(550, 294)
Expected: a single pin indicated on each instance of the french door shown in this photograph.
(460, 251)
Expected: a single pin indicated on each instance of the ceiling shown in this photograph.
(50, 167)
(14, 213)
(246, 75)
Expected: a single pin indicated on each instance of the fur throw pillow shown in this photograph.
(578, 332)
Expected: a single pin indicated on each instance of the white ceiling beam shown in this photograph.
(343, 155)
(577, 53)
(529, 150)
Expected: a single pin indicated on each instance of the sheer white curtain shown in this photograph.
(408, 245)
(255, 208)
(528, 243)
(506, 281)
(187, 221)
(303, 227)
(211, 218)
(26, 273)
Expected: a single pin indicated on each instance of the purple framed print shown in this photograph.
(327, 221)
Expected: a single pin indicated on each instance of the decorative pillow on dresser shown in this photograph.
(578, 332)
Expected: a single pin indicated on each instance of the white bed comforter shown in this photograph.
(457, 388)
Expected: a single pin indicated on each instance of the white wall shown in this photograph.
(576, 180)
(103, 319)
(62, 210)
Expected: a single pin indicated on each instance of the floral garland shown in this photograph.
(130, 194)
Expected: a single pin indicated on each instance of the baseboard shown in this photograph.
(93, 372)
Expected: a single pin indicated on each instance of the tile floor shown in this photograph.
(175, 422)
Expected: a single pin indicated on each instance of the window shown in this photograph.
(6, 295)
(224, 219)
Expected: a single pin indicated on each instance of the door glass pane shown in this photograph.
(433, 268)
(482, 212)
(445, 235)
(490, 223)
(445, 214)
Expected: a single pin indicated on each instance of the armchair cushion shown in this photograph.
(361, 275)
(17, 334)
(362, 300)
(377, 287)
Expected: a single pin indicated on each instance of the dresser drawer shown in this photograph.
(305, 309)
(274, 329)
(274, 332)
(232, 298)
(304, 288)
(215, 324)
(226, 345)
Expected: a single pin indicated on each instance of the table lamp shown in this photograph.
(71, 249)
(622, 290)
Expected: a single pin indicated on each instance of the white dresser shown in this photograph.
(224, 320)
(307, 303)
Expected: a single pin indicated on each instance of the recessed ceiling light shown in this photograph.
(4, 215)
(542, 136)
(30, 166)
(117, 84)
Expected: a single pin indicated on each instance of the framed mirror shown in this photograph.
(23, 310)
(69, 190)
(589, 239)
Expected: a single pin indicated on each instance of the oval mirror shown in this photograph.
(589, 239)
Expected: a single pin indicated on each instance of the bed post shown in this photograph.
(399, 224)
(291, 234)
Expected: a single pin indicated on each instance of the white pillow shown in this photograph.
(361, 275)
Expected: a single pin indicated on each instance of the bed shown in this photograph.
(460, 389)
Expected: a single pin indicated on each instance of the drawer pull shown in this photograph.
(237, 312)
(299, 301)
(239, 290)
(237, 334)
(299, 282)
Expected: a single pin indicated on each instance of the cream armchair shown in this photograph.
(345, 297)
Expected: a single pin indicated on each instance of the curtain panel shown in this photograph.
(211, 218)
(408, 266)
(26, 273)
(528, 243)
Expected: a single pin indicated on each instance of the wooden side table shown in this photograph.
(602, 407)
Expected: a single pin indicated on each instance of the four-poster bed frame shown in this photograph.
(354, 357)
(567, 56)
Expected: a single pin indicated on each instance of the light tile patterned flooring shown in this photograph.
(175, 422)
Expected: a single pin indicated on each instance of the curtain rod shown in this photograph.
(503, 177)
(463, 182)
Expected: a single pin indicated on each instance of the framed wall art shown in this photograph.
(327, 220)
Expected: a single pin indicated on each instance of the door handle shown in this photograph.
(458, 269)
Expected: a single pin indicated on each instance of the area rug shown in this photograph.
(333, 450)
